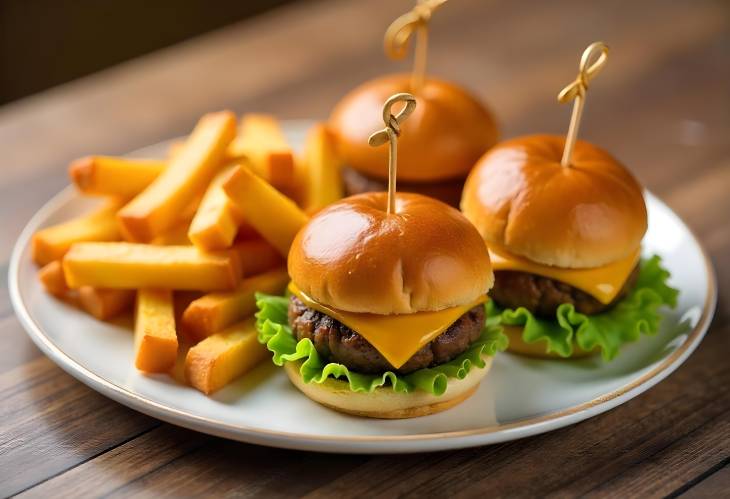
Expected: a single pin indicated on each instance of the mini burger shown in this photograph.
(386, 313)
(564, 225)
(442, 140)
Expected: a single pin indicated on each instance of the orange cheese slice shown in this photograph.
(397, 337)
(603, 283)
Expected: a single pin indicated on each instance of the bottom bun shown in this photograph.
(384, 403)
(537, 349)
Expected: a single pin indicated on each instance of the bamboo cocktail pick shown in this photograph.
(390, 134)
(591, 62)
(400, 32)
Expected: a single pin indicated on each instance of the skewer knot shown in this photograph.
(392, 122)
(591, 62)
(399, 33)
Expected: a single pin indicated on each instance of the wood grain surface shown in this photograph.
(662, 106)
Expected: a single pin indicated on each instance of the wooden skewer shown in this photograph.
(591, 62)
(400, 32)
(390, 134)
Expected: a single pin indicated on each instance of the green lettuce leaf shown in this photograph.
(636, 314)
(275, 333)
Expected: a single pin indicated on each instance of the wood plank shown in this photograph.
(51, 423)
(716, 485)
(692, 455)
(121, 465)
(229, 468)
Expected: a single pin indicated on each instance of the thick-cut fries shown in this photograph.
(217, 220)
(105, 304)
(215, 311)
(110, 176)
(321, 182)
(276, 217)
(217, 216)
(177, 371)
(177, 236)
(256, 256)
(175, 148)
(262, 143)
(136, 266)
(51, 276)
(223, 357)
(52, 243)
(155, 338)
(158, 208)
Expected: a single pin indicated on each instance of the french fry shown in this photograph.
(136, 266)
(105, 304)
(215, 311)
(217, 220)
(177, 371)
(155, 338)
(257, 256)
(52, 243)
(321, 182)
(223, 357)
(276, 217)
(158, 207)
(175, 148)
(177, 236)
(52, 279)
(262, 143)
(110, 176)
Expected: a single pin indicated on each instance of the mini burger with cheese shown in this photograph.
(565, 244)
(386, 313)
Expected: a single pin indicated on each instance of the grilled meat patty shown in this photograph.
(448, 191)
(338, 343)
(542, 295)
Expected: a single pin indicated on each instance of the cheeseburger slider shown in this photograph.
(564, 221)
(444, 137)
(386, 314)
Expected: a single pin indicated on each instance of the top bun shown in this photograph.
(521, 199)
(355, 257)
(442, 139)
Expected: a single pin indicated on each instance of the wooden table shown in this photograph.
(662, 105)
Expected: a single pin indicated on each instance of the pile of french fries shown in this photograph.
(189, 240)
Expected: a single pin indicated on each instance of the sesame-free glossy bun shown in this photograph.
(522, 200)
(384, 402)
(355, 257)
(538, 349)
(442, 139)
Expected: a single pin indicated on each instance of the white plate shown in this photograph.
(520, 397)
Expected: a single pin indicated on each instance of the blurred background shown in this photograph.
(47, 42)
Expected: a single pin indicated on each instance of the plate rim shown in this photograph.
(352, 443)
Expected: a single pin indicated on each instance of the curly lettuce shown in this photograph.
(633, 316)
(274, 332)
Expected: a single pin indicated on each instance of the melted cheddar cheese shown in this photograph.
(397, 337)
(603, 283)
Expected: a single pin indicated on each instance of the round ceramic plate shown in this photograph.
(520, 397)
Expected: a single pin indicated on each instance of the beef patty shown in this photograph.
(338, 343)
(448, 191)
(542, 295)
